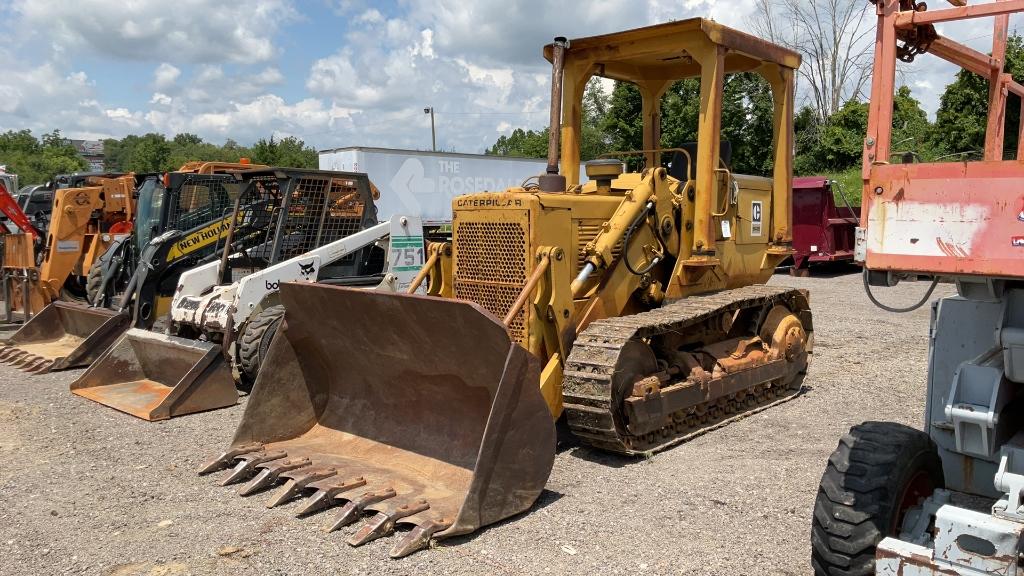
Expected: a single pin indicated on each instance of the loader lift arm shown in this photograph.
(14, 213)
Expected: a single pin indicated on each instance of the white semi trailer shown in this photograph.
(424, 183)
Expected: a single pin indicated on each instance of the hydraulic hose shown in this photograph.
(924, 299)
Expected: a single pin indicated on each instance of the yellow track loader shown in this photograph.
(632, 305)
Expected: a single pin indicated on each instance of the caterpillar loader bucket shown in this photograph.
(156, 377)
(63, 335)
(420, 410)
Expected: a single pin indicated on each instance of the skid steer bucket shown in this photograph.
(421, 410)
(156, 377)
(63, 335)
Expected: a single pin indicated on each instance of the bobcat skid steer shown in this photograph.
(225, 312)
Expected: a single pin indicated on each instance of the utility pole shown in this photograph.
(433, 134)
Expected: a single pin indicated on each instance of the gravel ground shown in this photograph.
(87, 490)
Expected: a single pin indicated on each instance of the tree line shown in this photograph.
(827, 145)
(37, 160)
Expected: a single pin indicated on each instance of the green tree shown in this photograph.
(151, 153)
(522, 143)
(960, 121)
(36, 161)
(747, 111)
(839, 141)
(287, 152)
(911, 128)
(593, 140)
(622, 124)
(186, 139)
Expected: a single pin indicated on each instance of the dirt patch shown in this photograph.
(88, 490)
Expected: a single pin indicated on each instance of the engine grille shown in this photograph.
(490, 267)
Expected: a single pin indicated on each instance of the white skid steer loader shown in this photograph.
(243, 315)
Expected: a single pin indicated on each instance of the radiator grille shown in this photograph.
(490, 267)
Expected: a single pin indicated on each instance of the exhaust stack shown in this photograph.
(551, 180)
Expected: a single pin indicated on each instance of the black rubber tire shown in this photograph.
(860, 492)
(255, 342)
(93, 281)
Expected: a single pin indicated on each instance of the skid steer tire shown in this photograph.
(73, 290)
(878, 471)
(255, 342)
(93, 282)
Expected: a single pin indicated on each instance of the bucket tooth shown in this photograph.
(419, 537)
(383, 523)
(227, 457)
(247, 464)
(10, 354)
(44, 367)
(22, 360)
(354, 508)
(471, 434)
(39, 366)
(324, 497)
(297, 482)
(270, 472)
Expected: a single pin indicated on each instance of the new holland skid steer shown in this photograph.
(194, 205)
(633, 305)
(949, 500)
(196, 200)
(323, 229)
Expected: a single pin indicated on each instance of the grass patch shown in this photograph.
(849, 182)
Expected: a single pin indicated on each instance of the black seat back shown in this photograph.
(680, 168)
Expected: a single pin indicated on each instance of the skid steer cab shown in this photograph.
(196, 201)
(632, 305)
(301, 226)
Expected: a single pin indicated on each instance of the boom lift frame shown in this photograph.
(945, 501)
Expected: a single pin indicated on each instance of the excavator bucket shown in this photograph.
(63, 335)
(419, 410)
(156, 377)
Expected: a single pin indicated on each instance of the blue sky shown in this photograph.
(332, 72)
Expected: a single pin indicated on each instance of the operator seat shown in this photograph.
(680, 167)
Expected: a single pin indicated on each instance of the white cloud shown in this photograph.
(190, 30)
(165, 76)
(371, 16)
(217, 72)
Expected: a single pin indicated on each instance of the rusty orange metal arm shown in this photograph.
(538, 273)
(969, 59)
(910, 19)
(422, 274)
